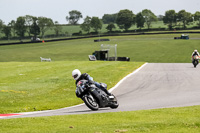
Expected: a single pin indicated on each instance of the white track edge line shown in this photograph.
(134, 72)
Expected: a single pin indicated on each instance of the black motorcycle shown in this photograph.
(93, 97)
(195, 60)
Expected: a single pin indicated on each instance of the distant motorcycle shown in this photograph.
(93, 97)
(195, 60)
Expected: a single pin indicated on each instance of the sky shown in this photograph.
(57, 10)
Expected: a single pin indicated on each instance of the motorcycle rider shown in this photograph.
(193, 54)
(76, 74)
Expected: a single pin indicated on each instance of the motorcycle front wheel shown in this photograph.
(195, 64)
(114, 104)
(90, 102)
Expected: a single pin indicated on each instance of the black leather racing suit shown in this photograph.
(86, 76)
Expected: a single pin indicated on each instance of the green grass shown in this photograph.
(32, 86)
(140, 48)
(172, 120)
(158, 48)
(26, 84)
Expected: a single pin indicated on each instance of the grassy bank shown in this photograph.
(171, 120)
(32, 86)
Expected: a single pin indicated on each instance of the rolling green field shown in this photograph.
(140, 48)
(26, 84)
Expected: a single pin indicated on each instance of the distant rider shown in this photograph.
(76, 74)
(194, 53)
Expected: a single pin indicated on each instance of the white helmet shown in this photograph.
(195, 50)
(76, 74)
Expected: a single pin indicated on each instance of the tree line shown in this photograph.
(124, 19)
(32, 25)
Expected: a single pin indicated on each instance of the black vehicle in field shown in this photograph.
(94, 97)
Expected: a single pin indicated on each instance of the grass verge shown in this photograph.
(184, 120)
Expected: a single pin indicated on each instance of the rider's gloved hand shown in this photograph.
(91, 82)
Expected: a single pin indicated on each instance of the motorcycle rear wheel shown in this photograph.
(195, 63)
(90, 102)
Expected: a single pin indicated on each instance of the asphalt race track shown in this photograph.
(156, 85)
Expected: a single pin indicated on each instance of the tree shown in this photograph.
(125, 19)
(160, 17)
(44, 24)
(7, 31)
(170, 18)
(29, 20)
(1, 25)
(149, 17)
(140, 20)
(197, 17)
(86, 25)
(57, 28)
(109, 18)
(96, 24)
(34, 29)
(12, 25)
(184, 17)
(110, 27)
(74, 17)
(20, 27)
